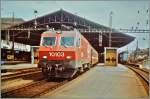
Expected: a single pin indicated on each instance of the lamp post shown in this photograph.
(13, 37)
(149, 29)
(110, 25)
(137, 48)
(35, 22)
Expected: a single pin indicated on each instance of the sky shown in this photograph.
(125, 13)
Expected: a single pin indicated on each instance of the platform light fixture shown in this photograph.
(47, 27)
(100, 39)
(29, 33)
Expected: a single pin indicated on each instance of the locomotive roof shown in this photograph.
(61, 31)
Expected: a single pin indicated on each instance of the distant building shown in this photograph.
(139, 55)
(7, 22)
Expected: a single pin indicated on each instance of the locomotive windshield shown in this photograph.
(49, 41)
(67, 41)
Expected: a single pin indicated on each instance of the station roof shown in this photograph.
(7, 22)
(27, 33)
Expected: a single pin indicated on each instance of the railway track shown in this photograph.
(143, 75)
(33, 89)
(21, 73)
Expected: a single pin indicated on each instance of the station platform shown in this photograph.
(102, 82)
(5, 69)
(13, 62)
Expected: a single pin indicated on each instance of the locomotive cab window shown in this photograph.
(67, 41)
(49, 41)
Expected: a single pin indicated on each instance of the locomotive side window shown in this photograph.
(67, 41)
(49, 41)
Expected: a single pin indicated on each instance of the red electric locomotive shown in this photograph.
(64, 53)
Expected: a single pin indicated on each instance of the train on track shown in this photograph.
(63, 54)
(131, 59)
(123, 57)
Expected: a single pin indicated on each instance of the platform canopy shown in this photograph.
(29, 32)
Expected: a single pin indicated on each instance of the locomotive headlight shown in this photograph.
(44, 57)
(68, 57)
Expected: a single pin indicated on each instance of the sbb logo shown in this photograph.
(56, 54)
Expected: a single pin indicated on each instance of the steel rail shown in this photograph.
(144, 76)
(33, 89)
(21, 73)
(36, 88)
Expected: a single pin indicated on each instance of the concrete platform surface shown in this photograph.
(18, 66)
(102, 82)
(12, 62)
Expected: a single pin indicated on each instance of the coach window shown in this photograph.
(49, 41)
(67, 41)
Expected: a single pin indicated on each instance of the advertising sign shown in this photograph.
(35, 54)
(111, 56)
